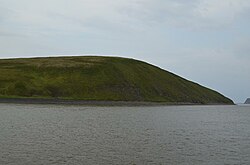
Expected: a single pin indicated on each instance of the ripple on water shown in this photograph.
(45, 134)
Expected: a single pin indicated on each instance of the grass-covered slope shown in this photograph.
(98, 78)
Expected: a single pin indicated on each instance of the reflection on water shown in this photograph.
(50, 134)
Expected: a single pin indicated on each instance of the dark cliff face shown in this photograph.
(99, 78)
(247, 101)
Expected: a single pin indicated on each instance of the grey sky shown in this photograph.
(206, 41)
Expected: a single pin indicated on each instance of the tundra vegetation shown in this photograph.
(99, 78)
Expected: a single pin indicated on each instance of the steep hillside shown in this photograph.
(98, 78)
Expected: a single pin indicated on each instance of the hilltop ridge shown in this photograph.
(99, 78)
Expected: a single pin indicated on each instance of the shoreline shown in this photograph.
(93, 102)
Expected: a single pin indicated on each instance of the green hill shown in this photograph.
(99, 78)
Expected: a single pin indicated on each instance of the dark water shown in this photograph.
(49, 134)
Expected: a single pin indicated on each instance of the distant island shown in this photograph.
(98, 79)
(247, 101)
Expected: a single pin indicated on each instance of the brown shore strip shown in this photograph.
(86, 102)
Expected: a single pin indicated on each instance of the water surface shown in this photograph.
(54, 134)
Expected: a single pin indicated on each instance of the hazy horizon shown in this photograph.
(205, 41)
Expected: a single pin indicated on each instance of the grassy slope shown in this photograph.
(98, 78)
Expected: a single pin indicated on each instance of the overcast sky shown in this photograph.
(206, 41)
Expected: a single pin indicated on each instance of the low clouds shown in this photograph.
(186, 37)
(227, 9)
(222, 13)
(56, 14)
(196, 13)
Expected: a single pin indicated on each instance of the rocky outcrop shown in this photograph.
(247, 101)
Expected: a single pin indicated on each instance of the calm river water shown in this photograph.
(54, 134)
